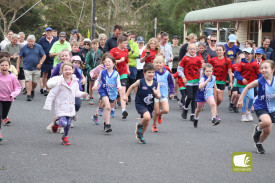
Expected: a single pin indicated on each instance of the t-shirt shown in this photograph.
(122, 66)
(231, 52)
(152, 56)
(220, 68)
(207, 91)
(191, 66)
(11, 49)
(211, 53)
(31, 56)
(139, 64)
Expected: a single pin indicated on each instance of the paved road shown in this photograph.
(178, 153)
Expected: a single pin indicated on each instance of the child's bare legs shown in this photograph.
(156, 112)
(105, 101)
(234, 97)
(218, 95)
(213, 106)
(123, 102)
(160, 108)
(265, 125)
(198, 110)
(91, 84)
(145, 121)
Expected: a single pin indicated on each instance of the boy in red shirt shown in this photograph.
(120, 53)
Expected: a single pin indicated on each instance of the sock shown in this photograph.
(44, 88)
(258, 129)
(193, 114)
(113, 109)
(258, 143)
(185, 108)
(123, 110)
(196, 118)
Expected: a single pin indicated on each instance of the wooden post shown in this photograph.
(185, 33)
(218, 32)
(200, 24)
(260, 32)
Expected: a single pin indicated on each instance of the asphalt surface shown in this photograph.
(177, 153)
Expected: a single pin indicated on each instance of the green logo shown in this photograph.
(242, 162)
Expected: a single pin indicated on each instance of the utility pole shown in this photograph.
(93, 18)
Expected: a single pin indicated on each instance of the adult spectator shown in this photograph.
(7, 40)
(141, 47)
(58, 46)
(133, 55)
(211, 47)
(33, 57)
(102, 40)
(269, 53)
(75, 35)
(191, 38)
(231, 49)
(22, 40)
(202, 54)
(166, 49)
(112, 42)
(54, 33)
(46, 43)
(175, 51)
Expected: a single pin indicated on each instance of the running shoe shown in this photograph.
(100, 112)
(175, 98)
(124, 114)
(6, 121)
(184, 113)
(95, 119)
(244, 118)
(159, 119)
(218, 118)
(139, 128)
(24, 91)
(32, 94)
(29, 98)
(54, 127)
(231, 106)
(180, 105)
(154, 128)
(46, 93)
(192, 117)
(235, 109)
(196, 123)
(49, 127)
(65, 141)
(260, 149)
(139, 134)
(91, 101)
(112, 115)
(256, 134)
(1, 137)
(107, 128)
(118, 101)
(249, 116)
(215, 122)
(118, 104)
(41, 91)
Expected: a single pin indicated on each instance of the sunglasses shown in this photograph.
(213, 40)
(87, 44)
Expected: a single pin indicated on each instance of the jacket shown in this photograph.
(63, 96)
(133, 54)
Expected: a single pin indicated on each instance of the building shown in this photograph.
(253, 19)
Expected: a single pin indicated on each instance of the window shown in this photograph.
(267, 26)
(253, 27)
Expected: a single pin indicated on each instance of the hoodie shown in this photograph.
(165, 81)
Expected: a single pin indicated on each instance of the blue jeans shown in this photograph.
(250, 94)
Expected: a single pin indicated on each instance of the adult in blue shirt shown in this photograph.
(231, 49)
(33, 57)
(269, 52)
(46, 43)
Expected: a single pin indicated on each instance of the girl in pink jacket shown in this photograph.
(63, 91)
(9, 89)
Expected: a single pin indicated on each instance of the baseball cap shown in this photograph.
(140, 39)
(74, 31)
(76, 57)
(87, 40)
(232, 38)
(248, 50)
(62, 35)
(48, 29)
(176, 37)
(260, 51)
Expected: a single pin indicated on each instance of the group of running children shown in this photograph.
(198, 83)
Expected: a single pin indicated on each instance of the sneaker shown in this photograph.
(159, 119)
(118, 101)
(107, 128)
(260, 149)
(46, 93)
(192, 117)
(184, 113)
(256, 135)
(139, 128)
(215, 122)
(91, 101)
(41, 91)
(6, 121)
(230, 108)
(49, 127)
(100, 112)
(124, 114)
(175, 98)
(32, 94)
(65, 141)
(249, 116)
(112, 115)
(61, 130)
(95, 119)
(24, 91)
(154, 128)
(29, 98)
(244, 118)
(139, 134)
(218, 118)
(118, 104)
(235, 109)
(196, 123)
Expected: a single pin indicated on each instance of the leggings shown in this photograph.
(191, 92)
(4, 109)
(65, 122)
(250, 94)
(77, 104)
(183, 95)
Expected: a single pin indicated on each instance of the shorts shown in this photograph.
(90, 79)
(141, 109)
(236, 89)
(103, 95)
(221, 86)
(21, 75)
(161, 99)
(46, 68)
(133, 73)
(49, 74)
(262, 111)
(124, 82)
(33, 76)
(202, 103)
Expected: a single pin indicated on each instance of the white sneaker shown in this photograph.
(249, 116)
(244, 118)
(61, 130)
(49, 128)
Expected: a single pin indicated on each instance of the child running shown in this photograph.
(165, 81)
(247, 71)
(64, 93)
(147, 91)
(190, 69)
(109, 83)
(264, 105)
(9, 89)
(205, 94)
